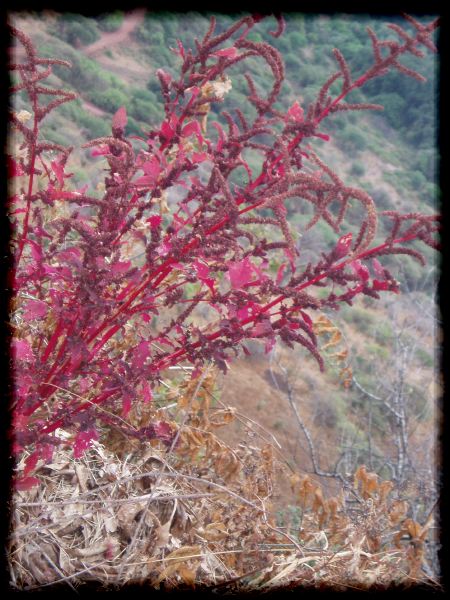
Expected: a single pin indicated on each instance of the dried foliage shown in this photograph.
(179, 520)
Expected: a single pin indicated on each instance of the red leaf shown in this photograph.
(380, 285)
(181, 49)
(322, 136)
(361, 270)
(164, 248)
(270, 343)
(72, 256)
(31, 462)
(163, 431)
(140, 355)
(167, 131)
(262, 329)
(343, 246)
(201, 269)
(120, 120)
(58, 170)
(14, 168)
(164, 76)
(221, 140)
(36, 250)
(21, 350)
(35, 309)
(307, 319)
(296, 112)
(152, 168)
(190, 128)
(120, 267)
(246, 350)
(126, 405)
(154, 221)
(147, 394)
(379, 270)
(101, 150)
(63, 195)
(146, 180)
(83, 441)
(226, 52)
(26, 483)
(240, 273)
(198, 157)
(280, 273)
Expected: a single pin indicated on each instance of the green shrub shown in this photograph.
(352, 140)
(109, 100)
(357, 169)
(418, 180)
(110, 22)
(427, 359)
(76, 29)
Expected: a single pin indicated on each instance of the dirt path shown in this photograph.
(95, 110)
(131, 21)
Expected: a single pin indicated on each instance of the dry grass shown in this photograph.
(200, 515)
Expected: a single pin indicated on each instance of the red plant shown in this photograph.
(95, 326)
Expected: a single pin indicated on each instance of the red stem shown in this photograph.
(30, 187)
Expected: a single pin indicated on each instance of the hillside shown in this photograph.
(377, 403)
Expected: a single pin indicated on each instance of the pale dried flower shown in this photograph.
(23, 116)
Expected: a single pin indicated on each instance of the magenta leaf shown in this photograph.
(296, 112)
(36, 250)
(190, 128)
(21, 350)
(270, 343)
(181, 49)
(199, 157)
(240, 273)
(71, 255)
(120, 119)
(31, 462)
(152, 168)
(58, 170)
(226, 52)
(14, 168)
(63, 195)
(147, 394)
(101, 150)
(262, 329)
(120, 267)
(155, 221)
(166, 78)
(221, 140)
(379, 270)
(164, 248)
(201, 269)
(126, 405)
(322, 136)
(342, 248)
(163, 431)
(380, 285)
(307, 319)
(23, 484)
(361, 270)
(35, 309)
(83, 441)
(140, 354)
(167, 131)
